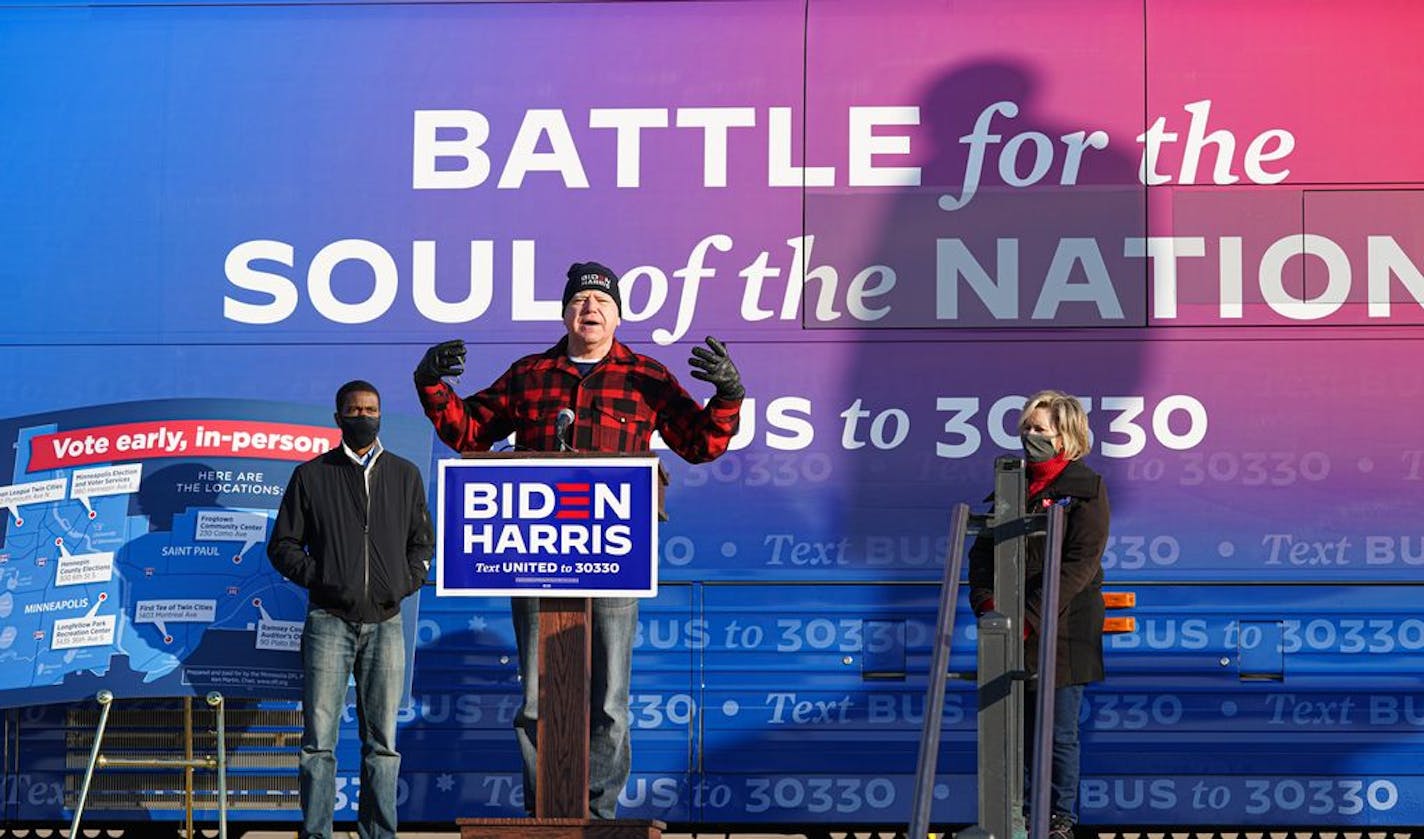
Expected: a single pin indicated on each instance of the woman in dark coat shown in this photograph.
(1054, 430)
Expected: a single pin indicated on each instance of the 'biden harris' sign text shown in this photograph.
(548, 527)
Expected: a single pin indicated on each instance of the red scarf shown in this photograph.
(1040, 475)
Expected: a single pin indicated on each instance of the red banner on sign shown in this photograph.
(179, 438)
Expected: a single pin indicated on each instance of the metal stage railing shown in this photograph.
(189, 762)
(1001, 674)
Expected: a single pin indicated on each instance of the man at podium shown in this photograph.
(586, 393)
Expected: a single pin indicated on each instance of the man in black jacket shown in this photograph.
(354, 531)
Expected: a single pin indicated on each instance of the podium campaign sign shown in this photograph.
(552, 526)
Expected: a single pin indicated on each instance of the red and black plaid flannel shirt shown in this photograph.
(617, 407)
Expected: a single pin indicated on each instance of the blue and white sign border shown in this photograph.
(649, 464)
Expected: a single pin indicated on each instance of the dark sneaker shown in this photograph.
(1060, 826)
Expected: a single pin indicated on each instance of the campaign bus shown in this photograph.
(902, 217)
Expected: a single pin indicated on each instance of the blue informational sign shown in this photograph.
(133, 548)
(525, 527)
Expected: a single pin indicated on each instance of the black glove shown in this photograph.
(714, 366)
(443, 359)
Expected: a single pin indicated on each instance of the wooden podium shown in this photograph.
(562, 767)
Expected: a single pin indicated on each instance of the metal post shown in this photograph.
(1001, 666)
(997, 640)
(188, 770)
(939, 666)
(215, 700)
(105, 700)
(1047, 667)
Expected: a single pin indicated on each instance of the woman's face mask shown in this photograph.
(1038, 448)
(1040, 437)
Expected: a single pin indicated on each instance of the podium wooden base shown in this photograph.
(562, 768)
(560, 829)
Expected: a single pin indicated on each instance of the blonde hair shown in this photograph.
(1068, 417)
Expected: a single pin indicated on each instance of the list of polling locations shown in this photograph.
(132, 550)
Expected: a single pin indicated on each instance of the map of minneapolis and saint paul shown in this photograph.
(132, 557)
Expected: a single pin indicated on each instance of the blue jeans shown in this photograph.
(615, 620)
(332, 650)
(1063, 783)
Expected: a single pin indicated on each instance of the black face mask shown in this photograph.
(359, 431)
(1038, 448)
